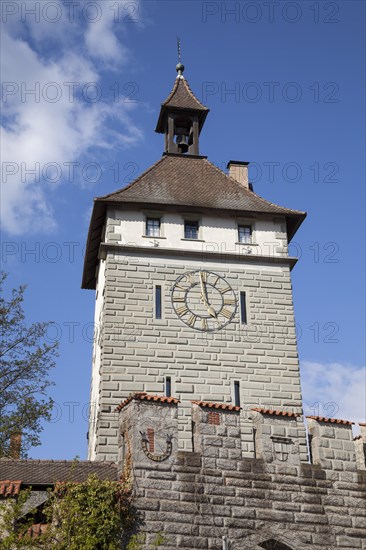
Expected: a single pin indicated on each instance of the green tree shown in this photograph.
(25, 361)
(90, 515)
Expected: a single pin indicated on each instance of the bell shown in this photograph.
(182, 139)
(182, 143)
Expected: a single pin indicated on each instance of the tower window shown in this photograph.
(237, 393)
(243, 308)
(168, 386)
(153, 227)
(190, 230)
(245, 234)
(158, 302)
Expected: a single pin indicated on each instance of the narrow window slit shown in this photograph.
(237, 393)
(158, 302)
(168, 386)
(243, 308)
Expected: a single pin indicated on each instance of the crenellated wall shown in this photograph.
(272, 501)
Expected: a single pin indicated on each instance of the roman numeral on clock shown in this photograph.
(181, 287)
(204, 324)
(229, 302)
(226, 313)
(182, 310)
(224, 290)
(180, 299)
(192, 320)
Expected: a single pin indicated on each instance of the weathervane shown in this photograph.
(180, 66)
(179, 52)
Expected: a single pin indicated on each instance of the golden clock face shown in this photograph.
(204, 300)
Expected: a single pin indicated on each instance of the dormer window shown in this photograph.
(152, 227)
(191, 230)
(245, 234)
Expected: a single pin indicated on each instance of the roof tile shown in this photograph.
(330, 420)
(274, 412)
(48, 472)
(9, 488)
(222, 406)
(143, 396)
(183, 97)
(193, 181)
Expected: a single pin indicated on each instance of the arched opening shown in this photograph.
(273, 544)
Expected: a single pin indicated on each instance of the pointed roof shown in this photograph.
(182, 98)
(182, 181)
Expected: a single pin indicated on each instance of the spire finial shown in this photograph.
(180, 66)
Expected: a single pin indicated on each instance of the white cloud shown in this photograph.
(100, 40)
(36, 129)
(334, 390)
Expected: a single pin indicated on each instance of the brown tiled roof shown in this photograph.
(362, 424)
(331, 420)
(357, 438)
(183, 97)
(143, 396)
(48, 472)
(275, 413)
(9, 488)
(181, 181)
(222, 406)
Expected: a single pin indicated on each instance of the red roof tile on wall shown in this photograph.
(222, 406)
(9, 488)
(330, 420)
(143, 396)
(275, 413)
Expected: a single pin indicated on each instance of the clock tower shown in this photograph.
(193, 289)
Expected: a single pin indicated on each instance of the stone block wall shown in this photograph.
(194, 499)
(360, 447)
(277, 435)
(332, 444)
(137, 352)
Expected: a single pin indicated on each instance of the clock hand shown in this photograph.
(203, 291)
(204, 298)
(211, 311)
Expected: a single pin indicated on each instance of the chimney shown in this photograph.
(239, 171)
(15, 445)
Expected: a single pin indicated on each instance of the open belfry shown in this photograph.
(195, 379)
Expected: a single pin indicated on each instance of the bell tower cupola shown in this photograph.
(181, 118)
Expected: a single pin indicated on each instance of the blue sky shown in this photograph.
(285, 85)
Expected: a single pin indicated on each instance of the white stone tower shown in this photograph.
(193, 288)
